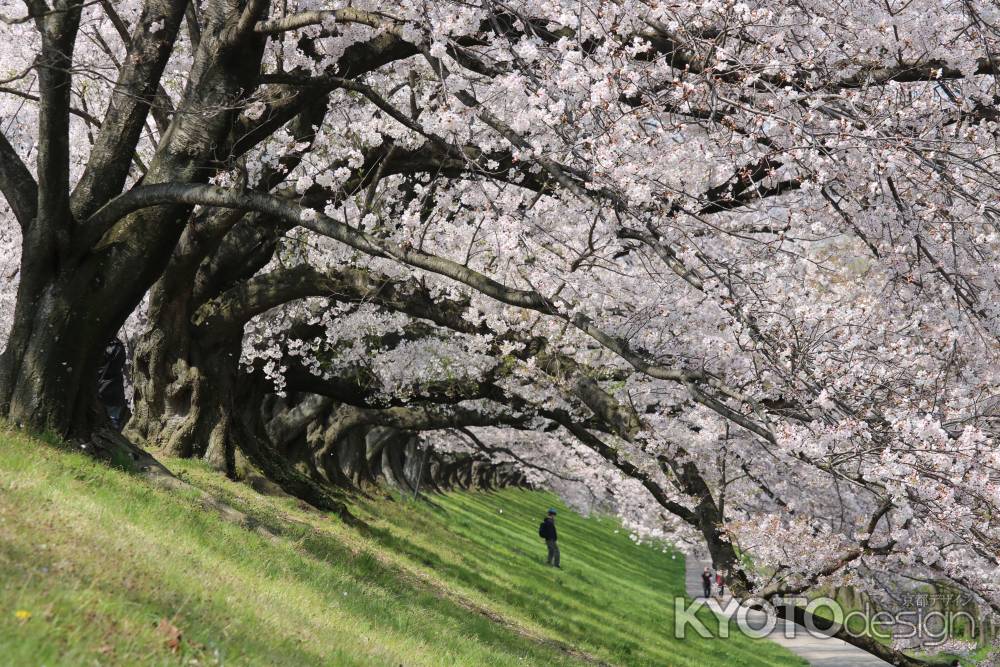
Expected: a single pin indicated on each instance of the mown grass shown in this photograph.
(97, 567)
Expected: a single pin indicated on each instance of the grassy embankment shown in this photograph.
(99, 568)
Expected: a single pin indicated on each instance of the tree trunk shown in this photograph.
(48, 371)
(250, 432)
(192, 400)
(181, 387)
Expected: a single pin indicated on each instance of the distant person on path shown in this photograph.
(720, 582)
(706, 582)
(111, 384)
(547, 531)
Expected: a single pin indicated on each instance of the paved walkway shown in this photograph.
(820, 652)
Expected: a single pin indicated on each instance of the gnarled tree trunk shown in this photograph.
(81, 276)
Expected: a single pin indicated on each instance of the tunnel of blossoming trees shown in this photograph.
(730, 268)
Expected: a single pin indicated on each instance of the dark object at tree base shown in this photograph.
(111, 384)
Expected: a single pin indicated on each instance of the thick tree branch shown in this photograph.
(349, 15)
(55, 65)
(17, 184)
(188, 194)
(134, 92)
(612, 455)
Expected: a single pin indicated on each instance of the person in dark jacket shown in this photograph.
(548, 531)
(706, 582)
(111, 384)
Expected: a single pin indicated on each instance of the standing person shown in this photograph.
(706, 582)
(720, 582)
(547, 531)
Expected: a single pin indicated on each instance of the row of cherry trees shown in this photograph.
(732, 267)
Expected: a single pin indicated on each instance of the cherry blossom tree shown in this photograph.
(736, 261)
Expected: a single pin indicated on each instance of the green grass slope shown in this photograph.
(98, 568)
